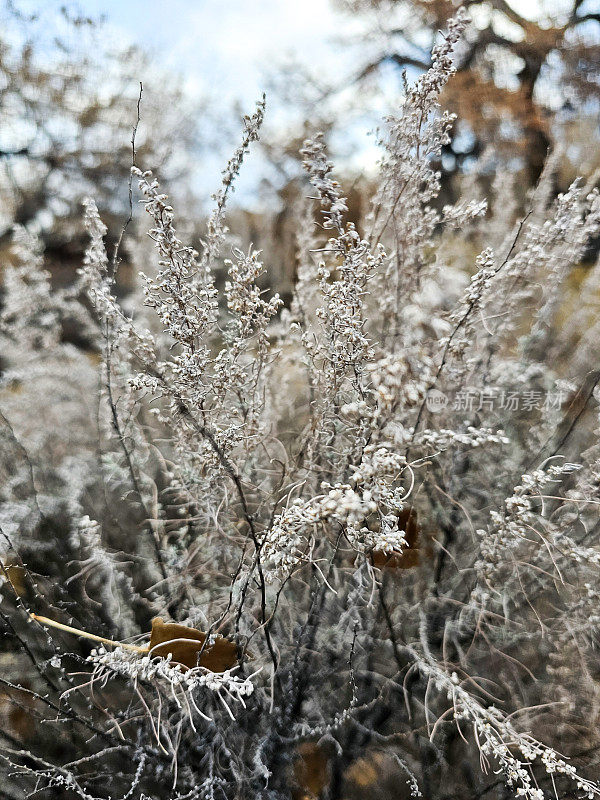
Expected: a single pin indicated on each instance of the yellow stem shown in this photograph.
(85, 635)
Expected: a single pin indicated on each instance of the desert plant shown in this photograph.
(347, 545)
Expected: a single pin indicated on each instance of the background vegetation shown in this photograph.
(299, 496)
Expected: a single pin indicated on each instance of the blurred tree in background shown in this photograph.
(514, 70)
(526, 83)
(68, 99)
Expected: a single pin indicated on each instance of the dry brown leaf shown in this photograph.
(16, 711)
(183, 643)
(310, 772)
(186, 643)
(409, 557)
(365, 772)
(16, 576)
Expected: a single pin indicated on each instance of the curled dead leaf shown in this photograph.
(409, 557)
(310, 771)
(15, 574)
(365, 772)
(185, 644)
